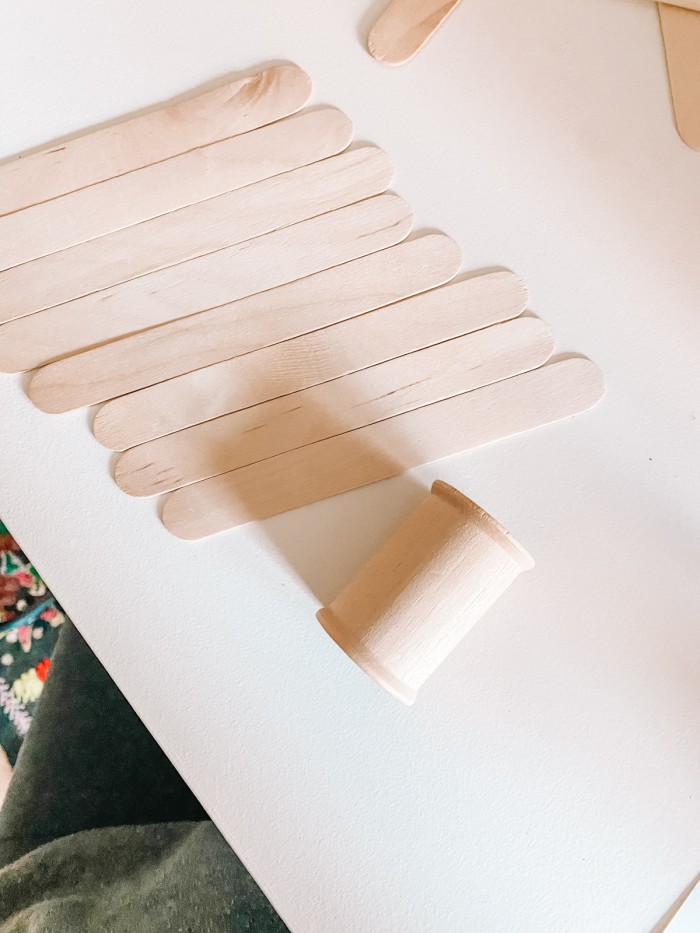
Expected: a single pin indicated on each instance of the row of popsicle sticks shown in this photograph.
(250, 309)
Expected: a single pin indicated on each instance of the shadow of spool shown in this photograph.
(324, 546)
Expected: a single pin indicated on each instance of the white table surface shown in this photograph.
(548, 779)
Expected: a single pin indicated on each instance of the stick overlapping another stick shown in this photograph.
(344, 404)
(385, 449)
(225, 111)
(240, 290)
(312, 359)
(168, 186)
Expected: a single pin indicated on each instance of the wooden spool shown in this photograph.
(420, 594)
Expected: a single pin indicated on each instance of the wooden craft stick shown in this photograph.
(194, 231)
(205, 282)
(226, 111)
(404, 28)
(686, 4)
(336, 407)
(249, 324)
(378, 451)
(311, 359)
(681, 32)
(167, 186)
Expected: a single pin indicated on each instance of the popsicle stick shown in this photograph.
(311, 359)
(686, 4)
(385, 449)
(167, 186)
(228, 110)
(194, 231)
(249, 324)
(404, 28)
(681, 32)
(336, 407)
(205, 282)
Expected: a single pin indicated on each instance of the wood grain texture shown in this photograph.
(249, 324)
(418, 596)
(404, 28)
(344, 404)
(388, 448)
(228, 110)
(192, 231)
(206, 282)
(311, 359)
(175, 183)
(681, 32)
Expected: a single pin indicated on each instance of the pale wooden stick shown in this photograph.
(227, 110)
(681, 31)
(686, 4)
(404, 28)
(205, 282)
(311, 359)
(385, 449)
(249, 324)
(167, 186)
(335, 407)
(194, 231)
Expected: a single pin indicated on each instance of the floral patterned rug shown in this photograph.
(30, 621)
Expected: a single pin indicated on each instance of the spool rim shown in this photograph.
(490, 525)
(365, 659)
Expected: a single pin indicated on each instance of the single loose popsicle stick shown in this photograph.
(205, 282)
(681, 32)
(311, 359)
(404, 28)
(336, 407)
(167, 186)
(686, 4)
(194, 231)
(249, 324)
(385, 449)
(228, 110)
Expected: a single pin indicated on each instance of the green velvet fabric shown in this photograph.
(98, 831)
